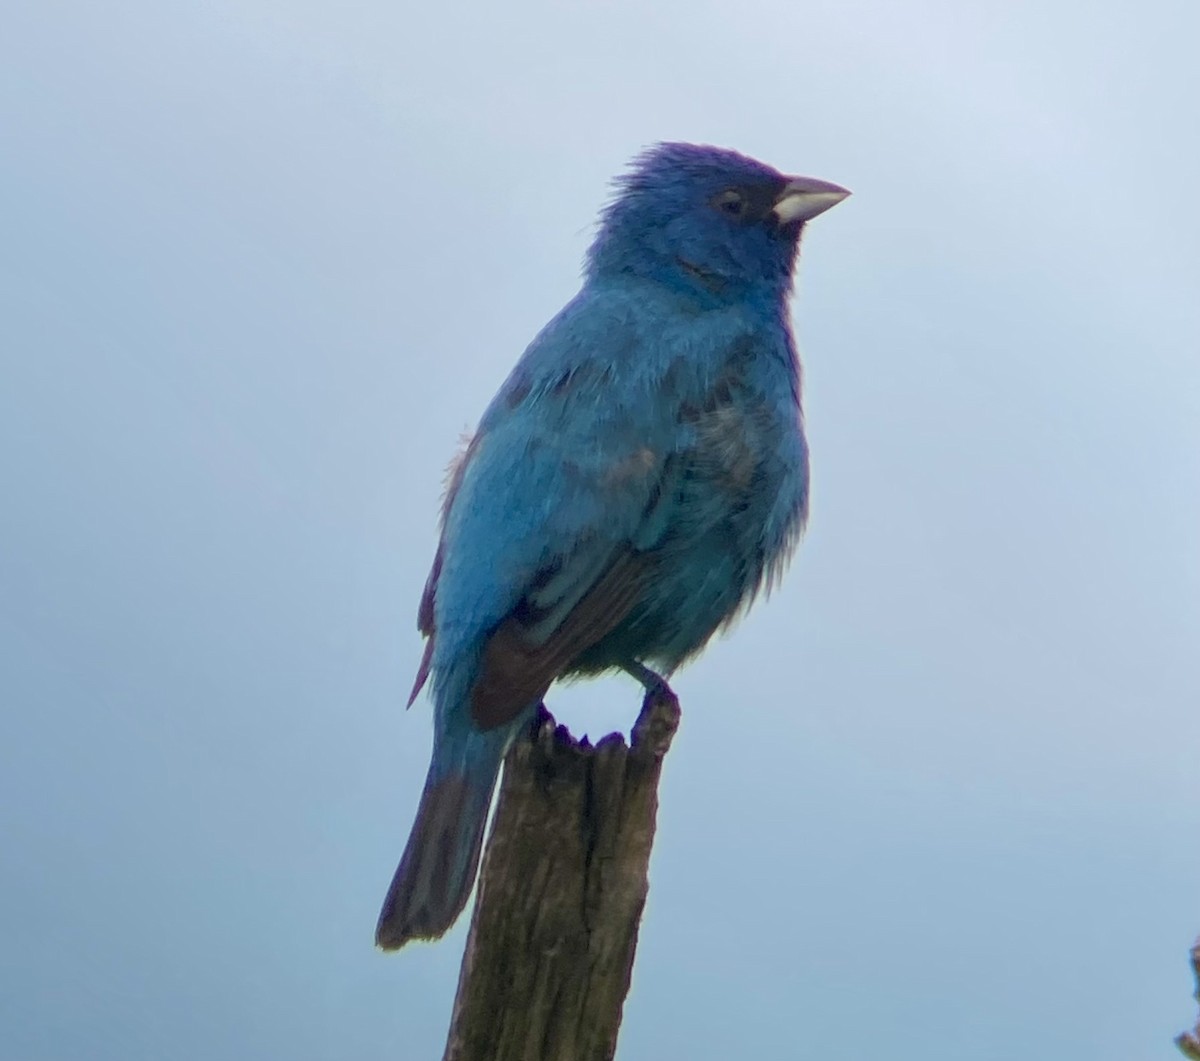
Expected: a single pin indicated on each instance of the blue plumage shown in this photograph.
(638, 478)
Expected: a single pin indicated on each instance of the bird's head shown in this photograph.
(708, 221)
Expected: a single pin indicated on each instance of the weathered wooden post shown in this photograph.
(554, 932)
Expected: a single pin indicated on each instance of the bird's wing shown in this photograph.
(526, 653)
(546, 516)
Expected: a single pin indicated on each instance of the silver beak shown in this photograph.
(803, 198)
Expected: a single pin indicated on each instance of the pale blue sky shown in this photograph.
(263, 263)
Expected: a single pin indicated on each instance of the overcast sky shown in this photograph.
(261, 264)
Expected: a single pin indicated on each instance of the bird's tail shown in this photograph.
(436, 872)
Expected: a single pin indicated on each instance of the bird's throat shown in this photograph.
(710, 281)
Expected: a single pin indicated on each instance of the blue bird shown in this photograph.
(638, 478)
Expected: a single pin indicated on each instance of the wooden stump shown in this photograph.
(554, 931)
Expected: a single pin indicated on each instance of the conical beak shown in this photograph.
(803, 198)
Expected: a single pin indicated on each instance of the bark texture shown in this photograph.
(551, 946)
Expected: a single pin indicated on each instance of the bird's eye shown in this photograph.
(731, 202)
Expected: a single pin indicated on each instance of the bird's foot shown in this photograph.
(659, 717)
(657, 689)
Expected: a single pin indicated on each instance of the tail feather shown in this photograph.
(437, 870)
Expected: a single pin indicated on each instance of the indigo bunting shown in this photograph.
(638, 478)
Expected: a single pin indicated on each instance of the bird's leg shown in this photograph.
(655, 684)
(659, 718)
